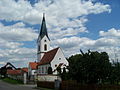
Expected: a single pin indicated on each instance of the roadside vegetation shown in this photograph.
(92, 67)
(11, 81)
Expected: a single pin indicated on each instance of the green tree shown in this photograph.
(115, 73)
(90, 67)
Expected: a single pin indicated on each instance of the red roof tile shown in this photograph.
(25, 69)
(13, 72)
(48, 56)
(33, 65)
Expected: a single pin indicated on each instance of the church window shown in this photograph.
(59, 58)
(45, 47)
(42, 69)
(46, 69)
(55, 65)
(39, 48)
(44, 40)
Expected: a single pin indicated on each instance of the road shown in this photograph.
(6, 86)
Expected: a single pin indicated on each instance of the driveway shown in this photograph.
(6, 86)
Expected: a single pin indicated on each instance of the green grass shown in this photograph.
(12, 81)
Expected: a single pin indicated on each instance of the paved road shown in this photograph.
(6, 86)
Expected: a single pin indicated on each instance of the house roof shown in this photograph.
(8, 63)
(48, 56)
(33, 65)
(25, 69)
(13, 72)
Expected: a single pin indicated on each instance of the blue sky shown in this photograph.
(71, 24)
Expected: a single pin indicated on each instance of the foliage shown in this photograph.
(3, 71)
(59, 70)
(12, 81)
(115, 73)
(90, 67)
(64, 74)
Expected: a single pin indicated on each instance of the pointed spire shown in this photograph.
(43, 30)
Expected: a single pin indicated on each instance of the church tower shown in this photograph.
(43, 41)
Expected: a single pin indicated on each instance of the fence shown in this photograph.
(65, 85)
(45, 84)
(71, 85)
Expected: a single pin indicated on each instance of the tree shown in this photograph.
(3, 71)
(59, 70)
(64, 74)
(115, 73)
(90, 67)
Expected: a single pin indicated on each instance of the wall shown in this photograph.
(59, 58)
(22, 77)
(42, 43)
(50, 78)
(43, 69)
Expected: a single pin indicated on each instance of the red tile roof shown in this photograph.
(25, 69)
(33, 65)
(48, 56)
(14, 72)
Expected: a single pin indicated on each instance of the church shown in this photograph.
(48, 58)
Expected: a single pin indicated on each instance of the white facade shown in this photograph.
(43, 69)
(43, 46)
(58, 59)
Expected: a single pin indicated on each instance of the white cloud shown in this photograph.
(11, 44)
(111, 33)
(19, 56)
(56, 10)
(72, 45)
(65, 19)
(3, 63)
(17, 32)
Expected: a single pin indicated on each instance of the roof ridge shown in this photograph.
(53, 49)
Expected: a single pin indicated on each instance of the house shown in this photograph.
(32, 70)
(18, 74)
(46, 57)
(14, 74)
(25, 69)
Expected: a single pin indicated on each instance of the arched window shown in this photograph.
(45, 47)
(50, 70)
(39, 48)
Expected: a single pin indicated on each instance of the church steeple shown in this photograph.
(43, 30)
(43, 41)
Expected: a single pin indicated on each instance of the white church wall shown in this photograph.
(41, 43)
(43, 69)
(59, 58)
(44, 41)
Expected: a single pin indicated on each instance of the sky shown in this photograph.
(71, 24)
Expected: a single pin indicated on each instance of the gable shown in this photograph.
(59, 59)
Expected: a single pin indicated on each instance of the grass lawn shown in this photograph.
(12, 81)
